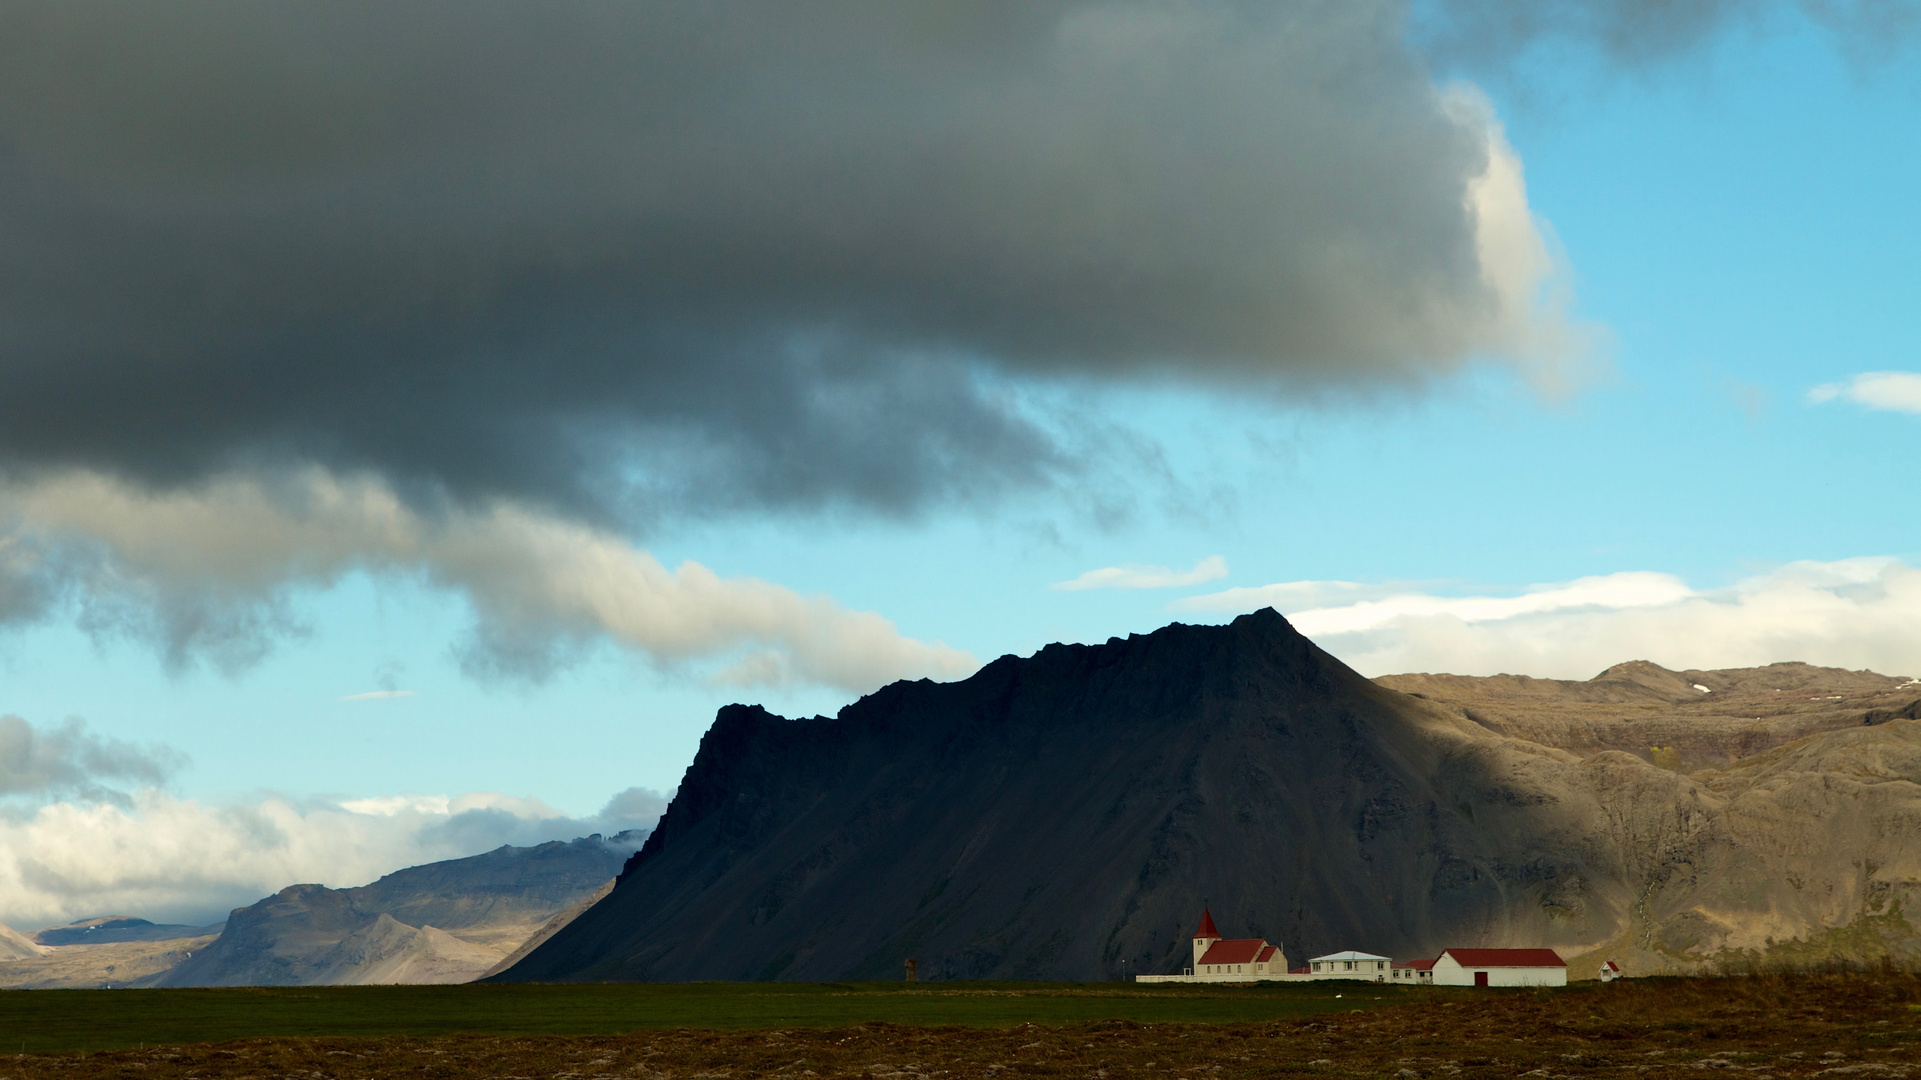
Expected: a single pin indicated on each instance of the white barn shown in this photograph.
(1500, 967)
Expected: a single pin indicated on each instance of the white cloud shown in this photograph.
(1854, 613)
(1136, 576)
(378, 695)
(206, 573)
(178, 860)
(1889, 391)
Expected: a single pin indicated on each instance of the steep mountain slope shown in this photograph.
(1064, 815)
(549, 929)
(17, 946)
(441, 922)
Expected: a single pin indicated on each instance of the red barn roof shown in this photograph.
(1235, 951)
(1206, 929)
(1485, 958)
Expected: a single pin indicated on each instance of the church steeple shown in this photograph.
(1204, 936)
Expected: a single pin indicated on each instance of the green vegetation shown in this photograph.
(54, 1021)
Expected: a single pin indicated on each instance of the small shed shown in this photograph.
(1500, 967)
(1610, 971)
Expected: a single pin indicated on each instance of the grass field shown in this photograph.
(52, 1021)
(1826, 1027)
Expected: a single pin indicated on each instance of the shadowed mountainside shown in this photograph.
(1062, 816)
(440, 922)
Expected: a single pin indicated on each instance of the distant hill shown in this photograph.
(112, 929)
(1064, 815)
(441, 922)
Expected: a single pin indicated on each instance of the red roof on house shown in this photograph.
(1611, 966)
(1297, 971)
(1206, 929)
(1417, 965)
(1235, 951)
(1266, 955)
(1485, 958)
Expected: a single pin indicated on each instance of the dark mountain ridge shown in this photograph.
(1064, 815)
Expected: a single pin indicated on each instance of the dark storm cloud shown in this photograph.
(68, 760)
(1639, 33)
(614, 256)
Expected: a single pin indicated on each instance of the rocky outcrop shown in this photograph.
(1063, 815)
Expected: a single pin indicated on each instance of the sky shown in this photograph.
(415, 422)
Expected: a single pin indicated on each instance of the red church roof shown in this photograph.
(1486, 958)
(1235, 951)
(1206, 929)
(1266, 955)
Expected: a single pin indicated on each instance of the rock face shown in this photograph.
(1063, 816)
(1676, 719)
(1803, 842)
(441, 922)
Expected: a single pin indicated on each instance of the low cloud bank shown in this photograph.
(207, 573)
(1854, 613)
(179, 860)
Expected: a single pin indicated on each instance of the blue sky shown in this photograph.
(1738, 227)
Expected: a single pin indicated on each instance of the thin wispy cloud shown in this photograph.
(379, 695)
(1885, 391)
(1136, 576)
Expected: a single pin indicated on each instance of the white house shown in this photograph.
(1218, 959)
(1500, 967)
(1349, 965)
(1610, 971)
(1413, 973)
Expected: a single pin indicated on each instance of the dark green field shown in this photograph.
(51, 1021)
